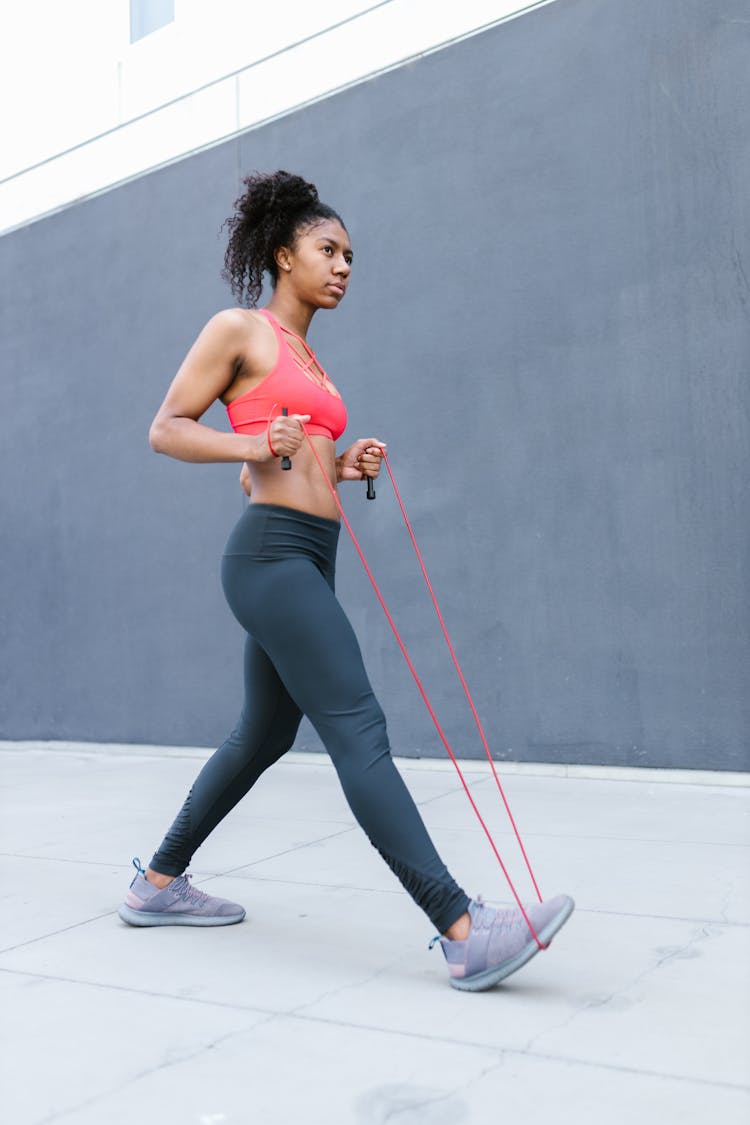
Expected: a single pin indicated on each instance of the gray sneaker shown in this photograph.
(177, 904)
(500, 941)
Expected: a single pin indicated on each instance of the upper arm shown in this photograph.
(208, 368)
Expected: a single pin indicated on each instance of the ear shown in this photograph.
(283, 259)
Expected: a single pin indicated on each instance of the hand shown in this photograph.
(285, 435)
(361, 460)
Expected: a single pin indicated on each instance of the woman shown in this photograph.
(301, 654)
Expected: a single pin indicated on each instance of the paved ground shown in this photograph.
(325, 1007)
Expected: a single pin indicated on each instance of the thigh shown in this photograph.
(293, 614)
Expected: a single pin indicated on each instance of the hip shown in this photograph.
(267, 532)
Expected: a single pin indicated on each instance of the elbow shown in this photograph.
(157, 437)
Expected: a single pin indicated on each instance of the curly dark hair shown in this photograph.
(270, 214)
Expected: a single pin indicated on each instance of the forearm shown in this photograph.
(187, 440)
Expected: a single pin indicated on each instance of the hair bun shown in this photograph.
(275, 191)
(292, 192)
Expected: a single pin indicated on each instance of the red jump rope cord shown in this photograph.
(457, 666)
(420, 686)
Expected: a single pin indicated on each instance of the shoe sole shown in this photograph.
(144, 918)
(481, 981)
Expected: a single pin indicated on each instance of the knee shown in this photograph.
(247, 744)
(241, 743)
(358, 741)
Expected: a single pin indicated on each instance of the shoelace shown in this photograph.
(488, 917)
(185, 890)
(181, 886)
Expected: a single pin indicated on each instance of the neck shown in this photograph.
(291, 312)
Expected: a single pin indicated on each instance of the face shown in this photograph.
(320, 262)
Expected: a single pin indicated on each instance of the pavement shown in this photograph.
(325, 1006)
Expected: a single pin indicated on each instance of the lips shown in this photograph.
(337, 288)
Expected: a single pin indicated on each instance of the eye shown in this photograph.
(327, 248)
(348, 258)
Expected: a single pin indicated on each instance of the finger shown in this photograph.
(369, 463)
(286, 440)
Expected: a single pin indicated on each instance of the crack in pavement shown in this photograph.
(704, 934)
(167, 1064)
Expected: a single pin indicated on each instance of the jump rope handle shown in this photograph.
(286, 462)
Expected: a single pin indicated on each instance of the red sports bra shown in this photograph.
(294, 384)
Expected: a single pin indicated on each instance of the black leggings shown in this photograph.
(302, 657)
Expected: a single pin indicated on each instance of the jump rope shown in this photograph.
(287, 464)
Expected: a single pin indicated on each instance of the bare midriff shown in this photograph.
(303, 486)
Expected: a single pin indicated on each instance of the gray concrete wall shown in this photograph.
(548, 323)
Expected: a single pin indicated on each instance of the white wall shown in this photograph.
(90, 109)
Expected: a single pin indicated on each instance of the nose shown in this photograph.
(343, 268)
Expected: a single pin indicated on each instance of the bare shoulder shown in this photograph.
(243, 332)
(233, 324)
